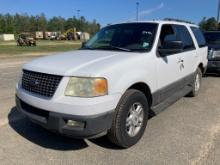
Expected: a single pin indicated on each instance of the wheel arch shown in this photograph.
(143, 87)
(201, 66)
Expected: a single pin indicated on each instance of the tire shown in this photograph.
(120, 133)
(195, 85)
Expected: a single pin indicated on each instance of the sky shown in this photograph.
(114, 11)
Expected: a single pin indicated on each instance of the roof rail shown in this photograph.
(178, 20)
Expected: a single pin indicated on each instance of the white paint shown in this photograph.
(7, 37)
(121, 69)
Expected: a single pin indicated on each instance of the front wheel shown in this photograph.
(130, 119)
(197, 82)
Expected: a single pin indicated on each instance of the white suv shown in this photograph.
(112, 84)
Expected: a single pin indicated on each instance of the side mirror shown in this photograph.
(170, 46)
(211, 54)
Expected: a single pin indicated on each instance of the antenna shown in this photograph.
(78, 13)
(218, 14)
(137, 10)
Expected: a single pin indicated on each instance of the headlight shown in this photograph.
(211, 54)
(86, 87)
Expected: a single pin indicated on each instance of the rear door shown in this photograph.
(189, 56)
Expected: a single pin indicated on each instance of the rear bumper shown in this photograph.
(87, 127)
(213, 66)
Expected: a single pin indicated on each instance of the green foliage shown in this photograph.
(209, 24)
(56, 24)
(19, 23)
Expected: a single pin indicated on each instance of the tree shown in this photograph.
(202, 24)
(41, 22)
(9, 23)
(69, 23)
(56, 24)
(19, 23)
(212, 24)
(33, 24)
(2, 22)
(209, 24)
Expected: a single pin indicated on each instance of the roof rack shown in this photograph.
(178, 20)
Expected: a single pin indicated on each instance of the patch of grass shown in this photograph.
(10, 48)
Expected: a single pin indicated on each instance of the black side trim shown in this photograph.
(170, 90)
(170, 100)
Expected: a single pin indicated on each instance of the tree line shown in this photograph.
(209, 24)
(19, 23)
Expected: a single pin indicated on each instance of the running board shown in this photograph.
(171, 100)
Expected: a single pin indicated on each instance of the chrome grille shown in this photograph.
(217, 54)
(40, 83)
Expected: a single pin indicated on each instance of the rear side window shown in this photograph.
(199, 36)
(184, 35)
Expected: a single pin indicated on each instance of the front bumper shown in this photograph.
(213, 66)
(91, 126)
(53, 113)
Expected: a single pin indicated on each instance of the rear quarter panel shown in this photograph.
(202, 52)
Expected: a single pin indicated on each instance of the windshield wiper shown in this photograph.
(109, 47)
(120, 48)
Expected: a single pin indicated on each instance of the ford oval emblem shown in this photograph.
(34, 83)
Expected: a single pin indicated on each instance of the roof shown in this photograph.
(162, 22)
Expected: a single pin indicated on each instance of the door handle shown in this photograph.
(180, 61)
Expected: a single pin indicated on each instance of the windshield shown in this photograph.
(124, 37)
(212, 37)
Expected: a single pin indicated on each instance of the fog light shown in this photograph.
(72, 123)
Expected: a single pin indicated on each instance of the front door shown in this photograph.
(170, 69)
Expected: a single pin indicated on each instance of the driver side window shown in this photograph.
(168, 43)
(166, 32)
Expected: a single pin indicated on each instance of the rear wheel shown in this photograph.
(130, 119)
(196, 83)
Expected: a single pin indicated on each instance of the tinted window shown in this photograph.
(124, 37)
(199, 36)
(212, 37)
(166, 30)
(167, 34)
(184, 35)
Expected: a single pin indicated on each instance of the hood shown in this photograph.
(76, 63)
(214, 46)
